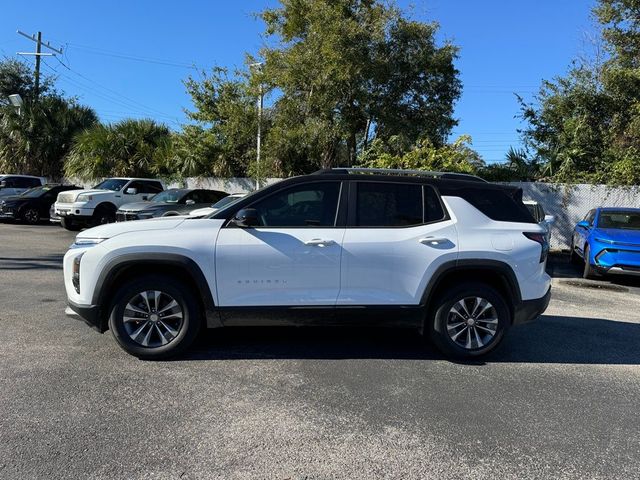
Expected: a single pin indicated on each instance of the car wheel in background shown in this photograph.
(469, 320)
(153, 317)
(103, 215)
(589, 271)
(31, 216)
(69, 224)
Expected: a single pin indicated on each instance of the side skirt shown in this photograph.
(408, 316)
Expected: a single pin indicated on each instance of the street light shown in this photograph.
(258, 65)
(16, 101)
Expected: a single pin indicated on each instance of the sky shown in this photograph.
(129, 58)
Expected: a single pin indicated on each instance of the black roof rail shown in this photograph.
(400, 171)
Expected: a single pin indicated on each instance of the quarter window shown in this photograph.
(307, 205)
(389, 205)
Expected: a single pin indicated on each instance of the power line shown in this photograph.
(37, 38)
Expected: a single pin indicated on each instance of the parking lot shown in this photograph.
(558, 400)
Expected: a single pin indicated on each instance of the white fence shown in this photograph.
(568, 203)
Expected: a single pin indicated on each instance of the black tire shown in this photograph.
(442, 319)
(575, 258)
(31, 216)
(589, 272)
(103, 214)
(187, 331)
(69, 224)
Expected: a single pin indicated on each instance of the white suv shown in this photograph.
(98, 205)
(451, 255)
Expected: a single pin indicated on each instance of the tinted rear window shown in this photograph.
(388, 205)
(498, 205)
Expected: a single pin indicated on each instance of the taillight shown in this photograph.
(542, 240)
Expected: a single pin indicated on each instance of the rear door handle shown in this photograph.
(319, 242)
(433, 241)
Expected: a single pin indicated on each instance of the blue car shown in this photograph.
(608, 242)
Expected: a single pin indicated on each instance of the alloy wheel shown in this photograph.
(152, 318)
(32, 216)
(472, 323)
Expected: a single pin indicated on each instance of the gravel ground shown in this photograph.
(558, 400)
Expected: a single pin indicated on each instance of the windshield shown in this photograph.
(35, 192)
(225, 201)
(113, 184)
(620, 220)
(168, 196)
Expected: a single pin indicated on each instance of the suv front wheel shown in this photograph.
(469, 320)
(154, 318)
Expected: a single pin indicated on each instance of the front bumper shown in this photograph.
(90, 314)
(76, 211)
(530, 310)
(617, 259)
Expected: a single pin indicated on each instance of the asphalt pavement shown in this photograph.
(558, 400)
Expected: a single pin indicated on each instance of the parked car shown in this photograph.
(607, 241)
(228, 200)
(461, 260)
(33, 205)
(173, 202)
(16, 184)
(545, 221)
(98, 205)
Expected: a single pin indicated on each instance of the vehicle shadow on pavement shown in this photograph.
(44, 262)
(551, 339)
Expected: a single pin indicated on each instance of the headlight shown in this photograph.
(84, 198)
(86, 242)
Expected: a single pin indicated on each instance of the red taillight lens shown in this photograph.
(542, 240)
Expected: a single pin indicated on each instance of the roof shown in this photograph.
(619, 209)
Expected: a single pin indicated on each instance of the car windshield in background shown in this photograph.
(225, 201)
(35, 192)
(621, 220)
(113, 184)
(168, 196)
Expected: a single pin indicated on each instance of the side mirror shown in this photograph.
(190, 202)
(131, 191)
(549, 219)
(583, 224)
(247, 217)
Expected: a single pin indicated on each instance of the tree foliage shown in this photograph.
(337, 74)
(140, 148)
(585, 126)
(424, 155)
(36, 138)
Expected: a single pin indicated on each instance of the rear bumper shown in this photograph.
(90, 314)
(530, 310)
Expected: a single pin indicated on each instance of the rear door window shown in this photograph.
(388, 204)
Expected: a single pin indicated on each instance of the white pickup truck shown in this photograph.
(97, 206)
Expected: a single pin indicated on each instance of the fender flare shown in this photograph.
(501, 268)
(115, 265)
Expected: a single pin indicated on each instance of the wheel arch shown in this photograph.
(495, 273)
(106, 204)
(128, 266)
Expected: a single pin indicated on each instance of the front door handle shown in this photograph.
(319, 242)
(433, 241)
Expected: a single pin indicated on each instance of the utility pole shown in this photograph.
(258, 65)
(38, 53)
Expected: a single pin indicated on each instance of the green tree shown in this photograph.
(585, 126)
(454, 157)
(351, 69)
(127, 148)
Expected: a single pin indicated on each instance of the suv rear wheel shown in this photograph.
(154, 318)
(469, 320)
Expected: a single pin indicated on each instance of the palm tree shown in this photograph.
(127, 148)
(36, 140)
